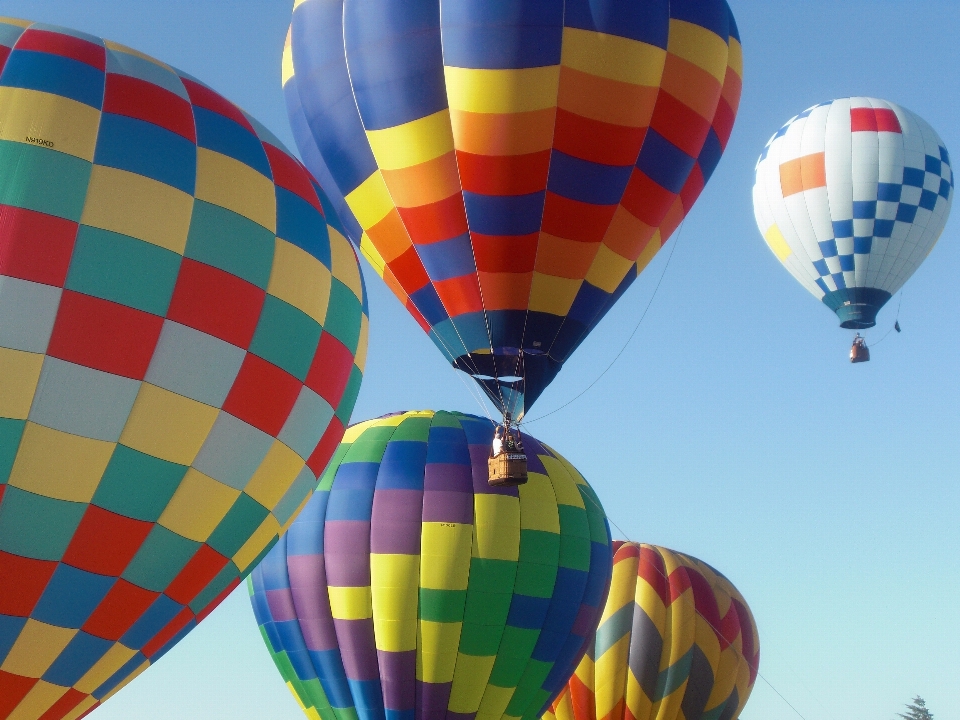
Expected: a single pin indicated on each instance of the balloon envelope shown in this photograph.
(409, 588)
(182, 335)
(510, 162)
(676, 642)
(851, 196)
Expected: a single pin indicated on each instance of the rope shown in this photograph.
(892, 327)
(635, 329)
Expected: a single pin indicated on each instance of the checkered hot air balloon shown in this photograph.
(510, 165)
(182, 336)
(408, 588)
(676, 642)
(851, 196)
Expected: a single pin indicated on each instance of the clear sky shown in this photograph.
(732, 428)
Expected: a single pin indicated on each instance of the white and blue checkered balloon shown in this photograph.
(851, 196)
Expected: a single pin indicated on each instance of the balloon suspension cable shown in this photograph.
(702, 617)
(896, 323)
(583, 392)
(471, 388)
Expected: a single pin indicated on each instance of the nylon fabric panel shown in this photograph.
(174, 358)
(474, 595)
(525, 154)
(676, 640)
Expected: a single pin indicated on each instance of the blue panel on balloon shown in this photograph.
(223, 135)
(71, 597)
(504, 214)
(54, 74)
(502, 34)
(663, 162)
(146, 149)
(587, 181)
(402, 466)
(646, 20)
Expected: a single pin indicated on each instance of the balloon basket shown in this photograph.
(507, 470)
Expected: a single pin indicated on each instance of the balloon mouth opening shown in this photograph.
(854, 324)
(856, 308)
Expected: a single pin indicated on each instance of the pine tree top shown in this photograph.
(917, 710)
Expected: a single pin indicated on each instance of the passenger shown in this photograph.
(497, 442)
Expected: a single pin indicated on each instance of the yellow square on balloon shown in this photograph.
(37, 646)
(59, 465)
(19, 373)
(168, 426)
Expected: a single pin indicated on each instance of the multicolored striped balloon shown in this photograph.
(408, 588)
(676, 642)
(510, 163)
(182, 336)
(851, 196)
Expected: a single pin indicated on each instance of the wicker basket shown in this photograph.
(507, 469)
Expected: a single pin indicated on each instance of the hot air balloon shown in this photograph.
(182, 336)
(508, 163)
(851, 196)
(408, 588)
(676, 642)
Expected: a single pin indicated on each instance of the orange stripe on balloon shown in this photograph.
(503, 134)
(610, 101)
(459, 295)
(627, 235)
(506, 291)
(691, 85)
(425, 183)
(389, 236)
(564, 258)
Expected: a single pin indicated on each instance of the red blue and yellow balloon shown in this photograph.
(182, 336)
(676, 641)
(509, 165)
(409, 588)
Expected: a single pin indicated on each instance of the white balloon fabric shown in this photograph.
(851, 196)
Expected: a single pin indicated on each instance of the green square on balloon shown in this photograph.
(160, 559)
(137, 485)
(286, 337)
(530, 684)
(349, 398)
(535, 579)
(237, 526)
(480, 640)
(10, 433)
(344, 315)
(230, 242)
(369, 447)
(124, 270)
(35, 526)
(43, 180)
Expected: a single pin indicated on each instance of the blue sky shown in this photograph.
(732, 428)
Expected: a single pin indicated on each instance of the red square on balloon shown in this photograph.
(23, 581)
(196, 575)
(105, 543)
(216, 302)
(119, 610)
(262, 395)
(325, 448)
(330, 370)
(13, 689)
(104, 335)
(35, 246)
